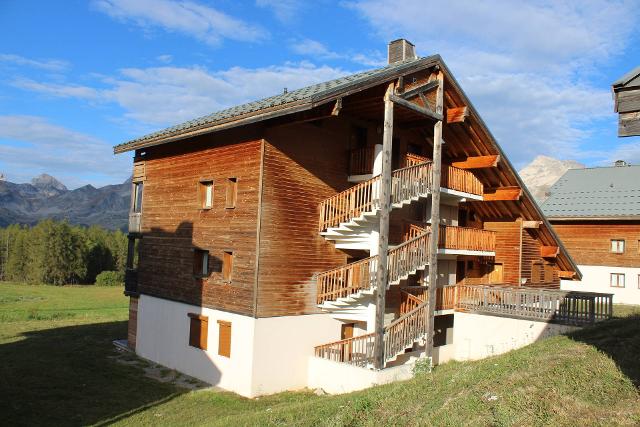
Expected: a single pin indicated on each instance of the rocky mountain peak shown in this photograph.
(49, 185)
(543, 172)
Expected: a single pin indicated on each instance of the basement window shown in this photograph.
(224, 338)
(617, 280)
(232, 193)
(205, 194)
(200, 263)
(198, 330)
(617, 246)
(227, 266)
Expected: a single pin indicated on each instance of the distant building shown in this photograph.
(626, 92)
(596, 213)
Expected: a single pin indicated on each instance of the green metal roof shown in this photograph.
(608, 193)
(309, 95)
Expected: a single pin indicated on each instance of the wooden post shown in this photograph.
(383, 240)
(435, 214)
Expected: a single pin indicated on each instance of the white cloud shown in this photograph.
(284, 10)
(519, 62)
(49, 65)
(317, 50)
(188, 17)
(56, 89)
(31, 143)
(166, 59)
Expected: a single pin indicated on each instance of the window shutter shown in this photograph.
(198, 331)
(227, 266)
(232, 192)
(224, 338)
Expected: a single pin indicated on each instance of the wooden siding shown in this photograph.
(589, 243)
(174, 225)
(303, 165)
(508, 243)
(530, 255)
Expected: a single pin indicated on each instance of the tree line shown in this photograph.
(57, 253)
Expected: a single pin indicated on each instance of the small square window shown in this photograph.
(227, 266)
(198, 330)
(617, 280)
(232, 193)
(205, 194)
(617, 246)
(200, 263)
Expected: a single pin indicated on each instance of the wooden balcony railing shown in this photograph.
(410, 296)
(574, 308)
(453, 237)
(135, 219)
(466, 238)
(346, 280)
(361, 160)
(408, 257)
(460, 180)
(356, 351)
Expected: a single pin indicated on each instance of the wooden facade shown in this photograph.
(626, 91)
(589, 242)
(263, 248)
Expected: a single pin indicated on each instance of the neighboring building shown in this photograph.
(596, 213)
(626, 91)
(262, 232)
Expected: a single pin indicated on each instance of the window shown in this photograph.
(232, 193)
(617, 246)
(205, 193)
(224, 338)
(227, 266)
(617, 280)
(200, 263)
(198, 330)
(137, 197)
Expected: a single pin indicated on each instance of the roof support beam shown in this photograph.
(549, 251)
(531, 224)
(478, 162)
(502, 194)
(566, 274)
(415, 107)
(457, 114)
(426, 87)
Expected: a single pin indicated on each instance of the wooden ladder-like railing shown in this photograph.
(398, 336)
(349, 279)
(407, 183)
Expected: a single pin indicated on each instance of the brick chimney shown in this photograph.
(400, 50)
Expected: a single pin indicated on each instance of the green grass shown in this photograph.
(60, 370)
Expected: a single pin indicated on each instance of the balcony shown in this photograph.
(457, 240)
(135, 222)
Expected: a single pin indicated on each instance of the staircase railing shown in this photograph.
(410, 182)
(398, 335)
(411, 296)
(404, 331)
(348, 279)
(348, 204)
(345, 280)
(408, 257)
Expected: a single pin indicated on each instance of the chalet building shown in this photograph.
(626, 94)
(596, 212)
(332, 235)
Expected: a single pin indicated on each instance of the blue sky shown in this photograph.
(77, 77)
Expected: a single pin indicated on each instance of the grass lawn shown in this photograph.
(58, 368)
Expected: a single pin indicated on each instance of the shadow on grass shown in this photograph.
(67, 376)
(619, 338)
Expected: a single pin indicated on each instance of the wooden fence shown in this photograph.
(361, 160)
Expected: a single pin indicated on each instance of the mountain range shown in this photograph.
(46, 197)
(108, 206)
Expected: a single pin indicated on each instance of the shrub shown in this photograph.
(110, 278)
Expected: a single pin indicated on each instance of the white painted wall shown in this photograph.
(596, 278)
(336, 377)
(268, 355)
(476, 336)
